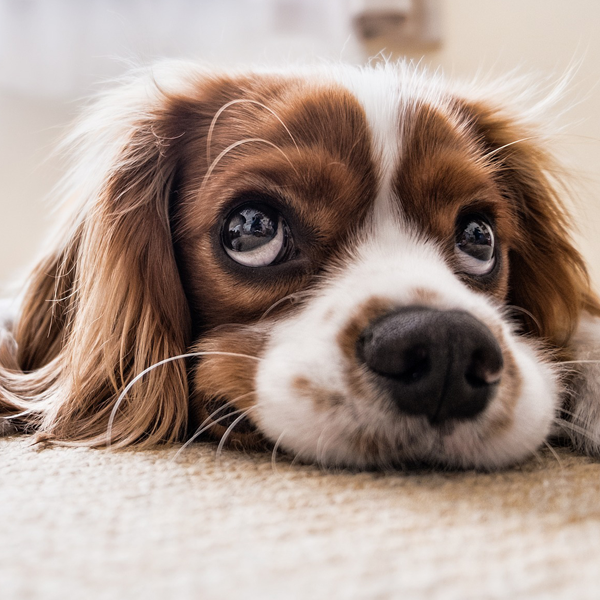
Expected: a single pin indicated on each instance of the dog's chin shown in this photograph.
(365, 433)
(455, 445)
(216, 418)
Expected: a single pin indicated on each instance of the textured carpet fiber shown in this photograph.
(90, 524)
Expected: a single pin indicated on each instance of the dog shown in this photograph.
(360, 266)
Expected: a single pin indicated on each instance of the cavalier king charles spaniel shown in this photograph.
(363, 267)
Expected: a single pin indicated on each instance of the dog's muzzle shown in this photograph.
(440, 364)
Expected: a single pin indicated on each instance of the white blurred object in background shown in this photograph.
(60, 48)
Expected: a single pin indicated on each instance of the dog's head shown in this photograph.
(372, 266)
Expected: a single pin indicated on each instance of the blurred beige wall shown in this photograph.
(29, 131)
(485, 36)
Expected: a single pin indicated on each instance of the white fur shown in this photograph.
(391, 263)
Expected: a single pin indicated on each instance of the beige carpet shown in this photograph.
(90, 524)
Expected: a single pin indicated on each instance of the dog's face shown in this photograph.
(373, 267)
(377, 207)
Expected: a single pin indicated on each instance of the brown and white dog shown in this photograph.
(360, 266)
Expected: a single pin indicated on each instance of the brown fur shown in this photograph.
(323, 155)
(104, 307)
(228, 376)
(109, 302)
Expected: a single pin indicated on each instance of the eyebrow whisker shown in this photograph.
(242, 101)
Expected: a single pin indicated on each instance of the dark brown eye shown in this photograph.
(475, 248)
(255, 235)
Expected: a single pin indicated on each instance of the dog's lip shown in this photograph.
(228, 414)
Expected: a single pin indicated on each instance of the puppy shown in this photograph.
(360, 266)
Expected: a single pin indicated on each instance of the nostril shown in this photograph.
(396, 347)
(485, 367)
(391, 360)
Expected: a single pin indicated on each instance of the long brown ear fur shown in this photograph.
(548, 277)
(107, 302)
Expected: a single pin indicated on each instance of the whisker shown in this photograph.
(572, 427)
(296, 458)
(160, 363)
(496, 150)
(230, 429)
(567, 412)
(18, 415)
(525, 312)
(210, 424)
(321, 449)
(566, 369)
(274, 453)
(293, 297)
(554, 453)
(578, 362)
(201, 428)
(233, 147)
(210, 421)
(242, 101)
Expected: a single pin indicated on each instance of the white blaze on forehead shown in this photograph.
(389, 94)
(379, 93)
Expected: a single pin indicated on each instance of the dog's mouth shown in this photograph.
(223, 413)
(219, 419)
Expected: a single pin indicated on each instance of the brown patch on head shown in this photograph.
(309, 159)
(443, 178)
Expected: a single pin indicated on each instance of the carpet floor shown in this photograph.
(93, 524)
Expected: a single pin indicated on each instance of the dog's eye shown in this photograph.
(255, 235)
(475, 246)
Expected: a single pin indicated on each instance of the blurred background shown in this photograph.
(55, 53)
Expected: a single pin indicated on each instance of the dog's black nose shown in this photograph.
(442, 364)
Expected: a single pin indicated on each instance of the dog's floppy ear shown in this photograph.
(108, 302)
(547, 275)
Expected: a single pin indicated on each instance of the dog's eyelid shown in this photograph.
(264, 197)
(479, 208)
